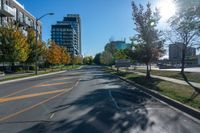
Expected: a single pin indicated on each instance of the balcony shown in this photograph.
(7, 11)
(27, 22)
(21, 22)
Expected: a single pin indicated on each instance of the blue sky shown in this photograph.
(101, 19)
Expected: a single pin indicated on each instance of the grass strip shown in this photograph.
(192, 76)
(181, 93)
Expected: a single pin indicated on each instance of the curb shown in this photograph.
(175, 104)
(31, 77)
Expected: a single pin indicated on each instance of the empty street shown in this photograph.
(86, 100)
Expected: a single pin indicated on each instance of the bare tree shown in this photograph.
(185, 27)
(149, 45)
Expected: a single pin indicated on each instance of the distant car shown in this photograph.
(2, 74)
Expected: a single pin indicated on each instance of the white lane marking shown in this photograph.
(77, 83)
(113, 100)
(52, 115)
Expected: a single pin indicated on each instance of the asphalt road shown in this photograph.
(86, 101)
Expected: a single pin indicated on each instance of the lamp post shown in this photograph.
(36, 54)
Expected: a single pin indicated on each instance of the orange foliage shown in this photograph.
(54, 54)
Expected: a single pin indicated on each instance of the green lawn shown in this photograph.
(181, 93)
(193, 77)
(41, 72)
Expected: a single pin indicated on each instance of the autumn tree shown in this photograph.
(120, 54)
(31, 41)
(110, 47)
(88, 60)
(44, 55)
(65, 56)
(54, 54)
(107, 58)
(14, 45)
(77, 60)
(149, 46)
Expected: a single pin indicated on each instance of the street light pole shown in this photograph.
(36, 43)
(36, 55)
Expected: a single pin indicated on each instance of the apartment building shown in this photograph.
(67, 33)
(175, 52)
(13, 11)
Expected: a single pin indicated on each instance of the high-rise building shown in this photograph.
(175, 52)
(12, 11)
(67, 33)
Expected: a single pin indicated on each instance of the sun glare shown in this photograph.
(167, 9)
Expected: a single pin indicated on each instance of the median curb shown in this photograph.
(31, 77)
(173, 103)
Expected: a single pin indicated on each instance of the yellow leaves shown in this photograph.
(57, 55)
(65, 57)
(21, 46)
(14, 45)
(77, 60)
(18, 48)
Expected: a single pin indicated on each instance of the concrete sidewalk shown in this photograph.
(178, 81)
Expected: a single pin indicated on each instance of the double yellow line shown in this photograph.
(8, 99)
(37, 86)
(63, 91)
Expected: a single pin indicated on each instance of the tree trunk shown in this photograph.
(3, 66)
(150, 67)
(27, 66)
(13, 67)
(183, 60)
(148, 74)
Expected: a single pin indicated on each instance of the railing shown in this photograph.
(21, 19)
(27, 22)
(4, 22)
(9, 9)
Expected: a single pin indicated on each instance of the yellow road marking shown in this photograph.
(60, 79)
(8, 99)
(16, 92)
(44, 85)
(35, 105)
(31, 107)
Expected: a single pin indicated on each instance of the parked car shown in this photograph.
(2, 74)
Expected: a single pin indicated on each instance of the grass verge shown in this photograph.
(193, 77)
(43, 72)
(181, 93)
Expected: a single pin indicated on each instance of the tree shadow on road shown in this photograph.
(104, 110)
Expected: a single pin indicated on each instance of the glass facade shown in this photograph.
(120, 45)
(66, 33)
